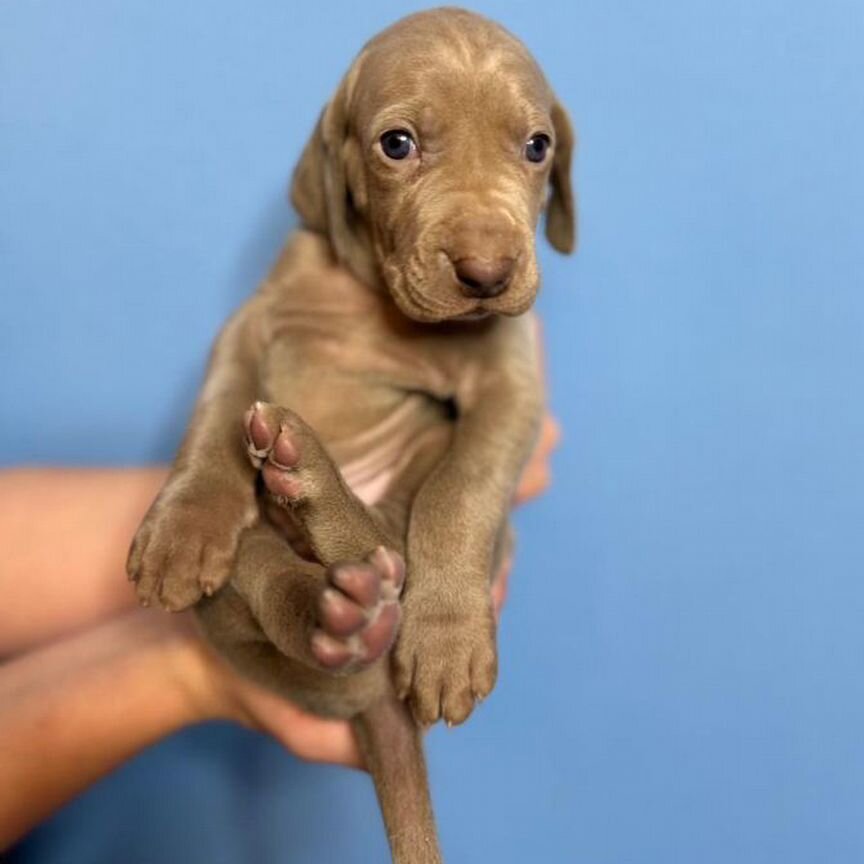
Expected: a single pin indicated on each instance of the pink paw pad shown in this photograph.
(273, 447)
(359, 611)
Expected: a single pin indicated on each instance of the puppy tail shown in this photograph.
(392, 746)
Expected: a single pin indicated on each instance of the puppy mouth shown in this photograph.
(475, 314)
(433, 310)
(416, 306)
(441, 299)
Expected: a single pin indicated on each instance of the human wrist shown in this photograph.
(208, 687)
(195, 674)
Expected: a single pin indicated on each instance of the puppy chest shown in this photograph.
(373, 425)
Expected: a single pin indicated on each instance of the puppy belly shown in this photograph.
(373, 460)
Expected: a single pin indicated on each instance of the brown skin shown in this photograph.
(392, 331)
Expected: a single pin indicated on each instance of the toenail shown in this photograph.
(356, 646)
(389, 592)
(330, 651)
(390, 563)
(333, 599)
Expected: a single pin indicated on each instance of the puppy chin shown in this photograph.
(511, 307)
(411, 309)
(413, 305)
(476, 314)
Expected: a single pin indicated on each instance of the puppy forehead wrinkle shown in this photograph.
(463, 37)
(416, 111)
(419, 71)
(469, 53)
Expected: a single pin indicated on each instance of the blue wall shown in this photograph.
(682, 654)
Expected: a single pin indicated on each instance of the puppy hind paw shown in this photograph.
(359, 611)
(273, 445)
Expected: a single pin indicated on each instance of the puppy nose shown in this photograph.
(483, 277)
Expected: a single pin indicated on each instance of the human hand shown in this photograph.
(97, 693)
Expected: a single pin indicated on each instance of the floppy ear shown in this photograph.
(307, 184)
(561, 217)
(328, 190)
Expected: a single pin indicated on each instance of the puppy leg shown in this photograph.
(279, 608)
(299, 474)
(340, 618)
(186, 543)
(446, 656)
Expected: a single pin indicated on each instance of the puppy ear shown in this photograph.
(307, 184)
(561, 216)
(327, 187)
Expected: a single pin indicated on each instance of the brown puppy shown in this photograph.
(422, 184)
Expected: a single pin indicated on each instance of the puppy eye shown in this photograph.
(537, 147)
(397, 144)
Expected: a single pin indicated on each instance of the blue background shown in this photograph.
(682, 653)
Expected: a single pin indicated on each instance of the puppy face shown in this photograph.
(435, 160)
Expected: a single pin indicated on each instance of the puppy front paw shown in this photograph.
(184, 548)
(445, 658)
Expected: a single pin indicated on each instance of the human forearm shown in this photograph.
(64, 536)
(73, 711)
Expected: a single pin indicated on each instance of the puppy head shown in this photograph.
(431, 165)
